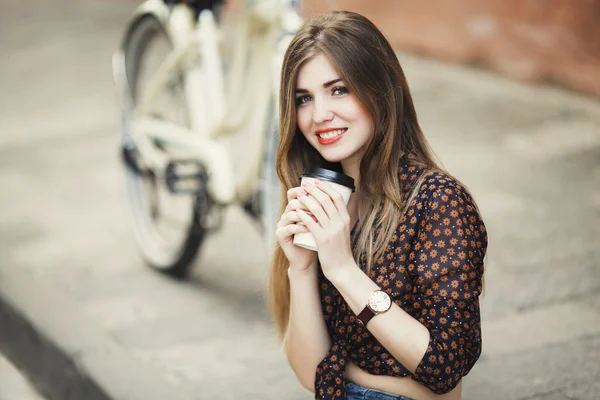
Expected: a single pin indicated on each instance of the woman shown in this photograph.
(410, 242)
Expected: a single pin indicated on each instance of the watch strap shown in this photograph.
(365, 316)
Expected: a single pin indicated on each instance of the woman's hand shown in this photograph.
(299, 258)
(330, 226)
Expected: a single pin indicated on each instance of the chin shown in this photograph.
(331, 158)
(335, 156)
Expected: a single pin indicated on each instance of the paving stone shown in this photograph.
(481, 82)
(547, 139)
(120, 312)
(476, 388)
(525, 374)
(13, 232)
(540, 328)
(488, 117)
(528, 153)
(588, 391)
(65, 351)
(233, 356)
(14, 385)
(594, 300)
(552, 396)
(510, 293)
(170, 330)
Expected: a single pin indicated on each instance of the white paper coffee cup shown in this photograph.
(344, 184)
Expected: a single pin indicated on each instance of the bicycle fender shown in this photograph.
(155, 8)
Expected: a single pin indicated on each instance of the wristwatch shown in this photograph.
(379, 302)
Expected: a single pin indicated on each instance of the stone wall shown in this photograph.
(536, 40)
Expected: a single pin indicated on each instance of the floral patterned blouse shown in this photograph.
(432, 268)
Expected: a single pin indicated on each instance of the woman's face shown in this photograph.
(329, 117)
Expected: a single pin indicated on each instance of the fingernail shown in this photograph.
(301, 194)
(317, 181)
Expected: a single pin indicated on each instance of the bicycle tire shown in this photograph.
(175, 261)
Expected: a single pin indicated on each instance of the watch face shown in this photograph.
(379, 301)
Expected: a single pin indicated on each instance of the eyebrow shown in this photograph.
(325, 85)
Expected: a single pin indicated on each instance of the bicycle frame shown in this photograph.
(218, 118)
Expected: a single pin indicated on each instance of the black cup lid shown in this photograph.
(329, 176)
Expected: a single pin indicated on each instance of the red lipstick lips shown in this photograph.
(330, 140)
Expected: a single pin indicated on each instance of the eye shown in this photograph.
(303, 99)
(339, 90)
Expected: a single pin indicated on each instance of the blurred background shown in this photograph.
(507, 92)
(536, 40)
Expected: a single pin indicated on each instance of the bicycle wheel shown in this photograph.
(166, 225)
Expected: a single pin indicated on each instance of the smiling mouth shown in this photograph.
(331, 134)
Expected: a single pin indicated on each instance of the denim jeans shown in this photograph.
(357, 392)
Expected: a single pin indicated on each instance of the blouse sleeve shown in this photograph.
(446, 264)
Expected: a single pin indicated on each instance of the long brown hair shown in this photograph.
(370, 69)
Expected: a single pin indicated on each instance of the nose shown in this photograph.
(322, 111)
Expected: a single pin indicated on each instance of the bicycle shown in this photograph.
(180, 171)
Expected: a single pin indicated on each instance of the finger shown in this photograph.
(336, 197)
(288, 218)
(323, 198)
(286, 233)
(315, 208)
(293, 193)
(310, 223)
(294, 205)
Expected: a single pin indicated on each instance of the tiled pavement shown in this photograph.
(529, 154)
(13, 385)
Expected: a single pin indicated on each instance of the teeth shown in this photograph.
(331, 134)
